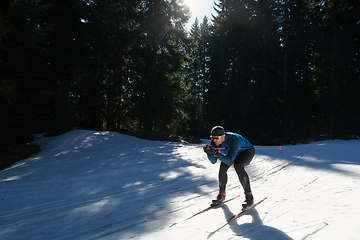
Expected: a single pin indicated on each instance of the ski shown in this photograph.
(206, 209)
(236, 216)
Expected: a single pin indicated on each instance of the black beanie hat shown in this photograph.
(217, 131)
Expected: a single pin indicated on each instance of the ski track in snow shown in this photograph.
(105, 185)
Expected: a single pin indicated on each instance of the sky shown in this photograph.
(200, 8)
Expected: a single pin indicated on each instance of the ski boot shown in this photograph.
(219, 199)
(249, 201)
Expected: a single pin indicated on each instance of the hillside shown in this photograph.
(106, 185)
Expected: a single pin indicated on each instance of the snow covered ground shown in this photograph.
(105, 185)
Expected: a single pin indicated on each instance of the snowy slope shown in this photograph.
(105, 185)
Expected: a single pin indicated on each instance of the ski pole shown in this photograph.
(254, 147)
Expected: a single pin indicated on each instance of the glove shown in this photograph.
(211, 151)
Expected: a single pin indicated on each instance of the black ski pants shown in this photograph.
(240, 162)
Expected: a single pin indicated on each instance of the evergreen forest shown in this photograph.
(275, 71)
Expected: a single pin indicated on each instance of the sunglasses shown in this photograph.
(215, 137)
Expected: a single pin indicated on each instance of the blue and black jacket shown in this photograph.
(232, 143)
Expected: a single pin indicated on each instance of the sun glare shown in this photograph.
(193, 4)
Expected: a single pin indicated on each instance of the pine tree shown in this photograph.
(161, 57)
(335, 59)
(198, 74)
(102, 91)
(24, 97)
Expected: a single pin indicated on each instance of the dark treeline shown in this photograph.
(274, 71)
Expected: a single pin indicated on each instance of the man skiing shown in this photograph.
(235, 150)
